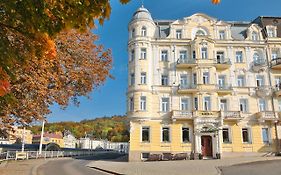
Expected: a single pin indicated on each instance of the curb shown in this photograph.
(106, 171)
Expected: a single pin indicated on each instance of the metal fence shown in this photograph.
(15, 155)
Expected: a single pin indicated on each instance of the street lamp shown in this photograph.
(41, 138)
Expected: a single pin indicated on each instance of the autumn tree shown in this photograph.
(79, 67)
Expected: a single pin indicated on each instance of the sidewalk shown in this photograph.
(184, 167)
(21, 167)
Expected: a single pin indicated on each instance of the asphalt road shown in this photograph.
(270, 167)
(74, 166)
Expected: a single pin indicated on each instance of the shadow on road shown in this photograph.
(113, 157)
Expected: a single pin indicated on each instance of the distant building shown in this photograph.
(20, 135)
(49, 138)
(69, 140)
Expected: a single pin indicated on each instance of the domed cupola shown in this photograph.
(142, 14)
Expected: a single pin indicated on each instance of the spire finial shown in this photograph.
(142, 4)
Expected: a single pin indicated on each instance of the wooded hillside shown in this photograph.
(113, 128)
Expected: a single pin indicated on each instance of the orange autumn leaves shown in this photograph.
(216, 1)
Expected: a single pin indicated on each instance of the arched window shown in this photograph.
(256, 57)
(200, 33)
(254, 36)
(143, 31)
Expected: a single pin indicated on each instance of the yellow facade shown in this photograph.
(202, 86)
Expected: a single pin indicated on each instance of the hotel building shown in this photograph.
(203, 86)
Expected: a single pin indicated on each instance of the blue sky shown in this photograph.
(110, 99)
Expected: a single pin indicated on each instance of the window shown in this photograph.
(205, 77)
(254, 36)
(165, 104)
(165, 134)
(270, 32)
(164, 80)
(143, 31)
(143, 103)
(132, 79)
(239, 57)
(225, 135)
(243, 103)
(143, 53)
(246, 135)
(207, 103)
(178, 34)
(260, 80)
(193, 54)
(145, 132)
(204, 53)
(262, 105)
(220, 57)
(132, 55)
(223, 105)
(144, 156)
(274, 55)
(183, 81)
(133, 33)
(278, 81)
(265, 135)
(241, 81)
(143, 78)
(131, 104)
(195, 103)
(185, 134)
(184, 104)
(221, 81)
(257, 59)
(194, 79)
(200, 33)
(183, 56)
(164, 55)
(221, 34)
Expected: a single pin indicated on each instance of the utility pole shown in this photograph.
(41, 138)
(23, 139)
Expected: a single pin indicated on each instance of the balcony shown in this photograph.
(186, 63)
(222, 64)
(224, 89)
(187, 89)
(263, 91)
(231, 115)
(266, 116)
(275, 63)
(181, 115)
(258, 65)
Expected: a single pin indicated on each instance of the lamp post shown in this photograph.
(41, 138)
(23, 139)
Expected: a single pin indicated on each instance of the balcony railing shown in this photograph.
(266, 116)
(180, 114)
(275, 63)
(222, 61)
(263, 91)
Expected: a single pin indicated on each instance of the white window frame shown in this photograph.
(149, 134)
(132, 55)
(170, 139)
(240, 81)
(229, 134)
(239, 56)
(143, 78)
(183, 81)
(260, 80)
(131, 104)
(164, 55)
(222, 35)
(178, 34)
(226, 103)
(244, 106)
(268, 135)
(143, 54)
(255, 36)
(143, 103)
(143, 31)
(164, 80)
(165, 105)
(206, 78)
(262, 105)
(249, 135)
(204, 53)
(184, 104)
(207, 103)
(132, 79)
(189, 134)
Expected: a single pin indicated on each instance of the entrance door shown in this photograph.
(206, 146)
